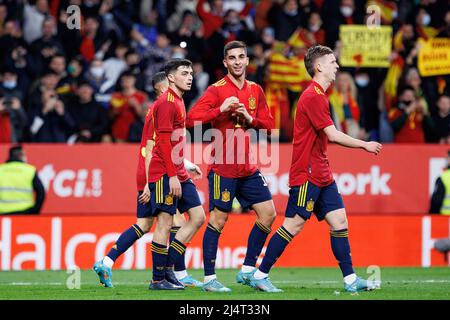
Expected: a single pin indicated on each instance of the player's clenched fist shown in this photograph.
(228, 103)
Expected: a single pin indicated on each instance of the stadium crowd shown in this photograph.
(93, 83)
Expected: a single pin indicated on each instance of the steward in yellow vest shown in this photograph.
(440, 200)
(18, 184)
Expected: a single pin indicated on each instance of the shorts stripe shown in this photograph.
(302, 195)
(159, 190)
(216, 186)
(161, 193)
(299, 195)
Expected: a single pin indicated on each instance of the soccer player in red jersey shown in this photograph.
(169, 183)
(144, 218)
(233, 105)
(144, 222)
(312, 187)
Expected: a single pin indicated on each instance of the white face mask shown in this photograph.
(362, 80)
(97, 71)
(314, 27)
(178, 55)
(346, 11)
(426, 19)
(9, 84)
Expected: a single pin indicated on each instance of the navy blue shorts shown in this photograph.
(143, 210)
(247, 190)
(309, 198)
(161, 200)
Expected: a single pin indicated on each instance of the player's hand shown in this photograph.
(145, 195)
(228, 103)
(243, 113)
(373, 147)
(195, 172)
(175, 186)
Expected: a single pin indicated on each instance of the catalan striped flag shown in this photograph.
(301, 38)
(287, 72)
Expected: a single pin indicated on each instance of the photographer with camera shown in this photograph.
(13, 119)
(409, 120)
(49, 121)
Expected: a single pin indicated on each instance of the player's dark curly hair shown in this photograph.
(313, 54)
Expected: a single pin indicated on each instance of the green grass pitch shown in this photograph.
(297, 283)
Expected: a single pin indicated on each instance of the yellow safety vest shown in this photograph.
(16, 186)
(445, 177)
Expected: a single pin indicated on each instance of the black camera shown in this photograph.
(7, 102)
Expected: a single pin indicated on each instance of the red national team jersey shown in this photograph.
(309, 158)
(207, 109)
(147, 134)
(169, 116)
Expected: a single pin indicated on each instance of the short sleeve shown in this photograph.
(163, 117)
(317, 110)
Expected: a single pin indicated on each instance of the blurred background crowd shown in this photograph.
(93, 84)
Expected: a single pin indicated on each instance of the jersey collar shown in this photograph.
(318, 86)
(229, 80)
(174, 93)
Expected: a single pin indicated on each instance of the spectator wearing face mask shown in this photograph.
(423, 28)
(285, 19)
(96, 77)
(344, 12)
(409, 119)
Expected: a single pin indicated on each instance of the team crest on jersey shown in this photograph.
(310, 205)
(143, 153)
(168, 200)
(252, 103)
(115, 247)
(225, 196)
